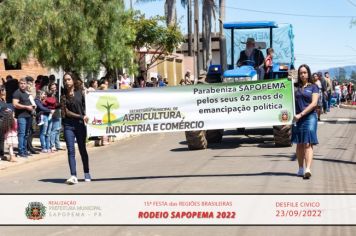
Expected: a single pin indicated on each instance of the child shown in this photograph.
(269, 63)
(51, 103)
(40, 114)
(10, 124)
(12, 140)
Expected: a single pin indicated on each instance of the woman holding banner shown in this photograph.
(304, 132)
(74, 119)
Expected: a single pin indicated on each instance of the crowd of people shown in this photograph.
(332, 93)
(28, 105)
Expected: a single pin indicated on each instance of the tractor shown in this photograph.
(278, 37)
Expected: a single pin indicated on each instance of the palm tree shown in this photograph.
(170, 11)
(188, 3)
(208, 14)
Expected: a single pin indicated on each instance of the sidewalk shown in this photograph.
(43, 156)
(348, 106)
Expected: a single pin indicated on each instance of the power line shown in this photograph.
(352, 3)
(288, 14)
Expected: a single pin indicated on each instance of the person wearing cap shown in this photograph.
(251, 53)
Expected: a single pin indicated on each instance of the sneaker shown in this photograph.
(307, 174)
(44, 150)
(87, 177)
(300, 172)
(41, 123)
(72, 180)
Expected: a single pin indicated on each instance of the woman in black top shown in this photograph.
(74, 119)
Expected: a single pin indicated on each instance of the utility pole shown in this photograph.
(222, 39)
(196, 36)
(190, 15)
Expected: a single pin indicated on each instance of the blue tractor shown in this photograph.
(267, 34)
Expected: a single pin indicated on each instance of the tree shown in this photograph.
(107, 103)
(155, 38)
(341, 74)
(170, 11)
(353, 76)
(188, 3)
(209, 9)
(74, 35)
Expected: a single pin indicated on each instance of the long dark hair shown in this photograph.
(310, 79)
(7, 122)
(77, 83)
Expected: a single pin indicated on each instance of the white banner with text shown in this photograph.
(178, 209)
(186, 108)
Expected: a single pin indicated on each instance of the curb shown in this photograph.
(42, 156)
(353, 107)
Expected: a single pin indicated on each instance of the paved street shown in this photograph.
(161, 163)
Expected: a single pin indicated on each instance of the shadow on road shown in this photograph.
(56, 181)
(335, 160)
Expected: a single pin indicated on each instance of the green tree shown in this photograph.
(107, 103)
(341, 74)
(353, 76)
(74, 35)
(156, 38)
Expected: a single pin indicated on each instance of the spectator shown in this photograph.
(11, 85)
(350, 91)
(165, 81)
(31, 90)
(329, 90)
(23, 113)
(104, 83)
(317, 82)
(44, 83)
(74, 119)
(52, 79)
(337, 90)
(3, 116)
(187, 79)
(125, 82)
(38, 82)
(56, 123)
(324, 90)
(161, 83)
(44, 112)
(304, 132)
(93, 85)
(11, 135)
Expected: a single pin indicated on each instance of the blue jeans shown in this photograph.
(45, 133)
(76, 132)
(329, 101)
(55, 131)
(24, 124)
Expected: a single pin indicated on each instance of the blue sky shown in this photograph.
(321, 42)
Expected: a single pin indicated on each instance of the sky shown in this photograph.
(320, 42)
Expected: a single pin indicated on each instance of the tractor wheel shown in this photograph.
(214, 136)
(196, 139)
(282, 135)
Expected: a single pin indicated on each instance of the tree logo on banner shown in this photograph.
(107, 104)
(35, 211)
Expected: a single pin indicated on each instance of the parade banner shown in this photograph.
(187, 108)
(189, 209)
